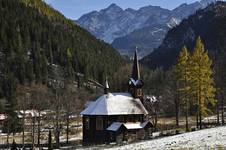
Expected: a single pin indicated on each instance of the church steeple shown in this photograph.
(106, 86)
(136, 69)
(135, 83)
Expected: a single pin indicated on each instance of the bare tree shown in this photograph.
(33, 97)
(74, 100)
(23, 99)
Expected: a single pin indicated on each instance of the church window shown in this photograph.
(139, 92)
(99, 123)
(87, 123)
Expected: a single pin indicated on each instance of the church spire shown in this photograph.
(136, 69)
(106, 86)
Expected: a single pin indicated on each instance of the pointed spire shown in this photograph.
(136, 69)
(106, 86)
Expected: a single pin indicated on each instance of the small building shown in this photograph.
(117, 117)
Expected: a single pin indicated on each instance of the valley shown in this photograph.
(153, 77)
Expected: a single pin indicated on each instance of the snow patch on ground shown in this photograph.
(202, 140)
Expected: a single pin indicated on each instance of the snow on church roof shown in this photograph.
(115, 104)
(137, 82)
(114, 126)
(129, 125)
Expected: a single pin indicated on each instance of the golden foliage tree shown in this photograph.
(182, 70)
(195, 81)
(201, 80)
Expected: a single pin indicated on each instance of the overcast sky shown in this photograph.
(73, 9)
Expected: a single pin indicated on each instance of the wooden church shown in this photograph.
(117, 117)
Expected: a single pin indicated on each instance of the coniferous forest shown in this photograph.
(33, 36)
(31, 40)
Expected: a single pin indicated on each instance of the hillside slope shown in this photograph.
(209, 23)
(33, 35)
(146, 39)
(202, 140)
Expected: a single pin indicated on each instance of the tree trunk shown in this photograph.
(50, 141)
(33, 132)
(57, 122)
(23, 128)
(67, 129)
(222, 107)
(187, 129)
(39, 120)
(200, 115)
(57, 138)
(199, 99)
(177, 109)
(7, 140)
(191, 109)
(197, 118)
(218, 112)
(156, 119)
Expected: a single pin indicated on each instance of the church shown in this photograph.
(117, 117)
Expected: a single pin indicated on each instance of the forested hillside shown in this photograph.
(33, 35)
(46, 10)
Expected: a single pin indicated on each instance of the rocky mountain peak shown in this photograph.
(113, 8)
(130, 10)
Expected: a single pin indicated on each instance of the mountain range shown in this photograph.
(208, 23)
(145, 27)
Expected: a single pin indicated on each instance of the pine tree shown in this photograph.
(29, 72)
(20, 59)
(173, 85)
(183, 75)
(202, 83)
(43, 68)
(12, 124)
(70, 70)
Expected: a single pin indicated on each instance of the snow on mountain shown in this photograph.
(113, 22)
(120, 27)
(208, 23)
(173, 22)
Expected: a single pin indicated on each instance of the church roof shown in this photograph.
(136, 83)
(115, 126)
(129, 125)
(115, 104)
